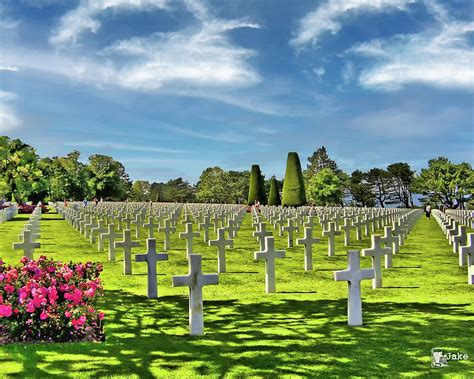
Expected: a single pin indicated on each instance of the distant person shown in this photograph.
(65, 203)
(428, 211)
(101, 200)
(95, 200)
(85, 202)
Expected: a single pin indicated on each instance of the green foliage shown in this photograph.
(444, 182)
(20, 174)
(175, 190)
(402, 178)
(360, 189)
(256, 187)
(274, 195)
(141, 190)
(108, 178)
(380, 180)
(325, 188)
(212, 186)
(294, 193)
(318, 161)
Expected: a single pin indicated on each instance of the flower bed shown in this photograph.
(28, 209)
(50, 301)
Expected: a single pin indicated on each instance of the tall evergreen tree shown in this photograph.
(294, 193)
(274, 195)
(256, 186)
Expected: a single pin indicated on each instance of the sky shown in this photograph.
(172, 87)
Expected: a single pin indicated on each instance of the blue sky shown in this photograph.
(171, 87)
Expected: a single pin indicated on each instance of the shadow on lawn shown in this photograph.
(268, 338)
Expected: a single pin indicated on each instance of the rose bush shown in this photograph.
(51, 301)
(28, 209)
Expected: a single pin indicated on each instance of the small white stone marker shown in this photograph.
(150, 226)
(269, 255)
(167, 229)
(221, 242)
(308, 242)
(205, 225)
(127, 245)
(331, 232)
(466, 253)
(27, 245)
(346, 227)
(195, 280)
(261, 233)
(151, 257)
(376, 251)
(353, 275)
(289, 228)
(111, 236)
(189, 235)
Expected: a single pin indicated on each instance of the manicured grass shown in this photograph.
(300, 331)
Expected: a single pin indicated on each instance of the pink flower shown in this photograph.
(30, 307)
(89, 293)
(68, 314)
(74, 296)
(53, 295)
(9, 288)
(101, 316)
(43, 315)
(5, 310)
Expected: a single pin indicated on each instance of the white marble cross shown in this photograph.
(150, 226)
(376, 251)
(346, 227)
(466, 253)
(308, 242)
(390, 241)
(97, 231)
(195, 280)
(138, 224)
(189, 235)
(221, 242)
(167, 229)
(127, 245)
(358, 224)
(205, 225)
(151, 257)
(261, 233)
(331, 233)
(353, 275)
(111, 236)
(289, 228)
(269, 255)
(27, 245)
(459, 239)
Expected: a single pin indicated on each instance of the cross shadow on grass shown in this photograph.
(268, 338)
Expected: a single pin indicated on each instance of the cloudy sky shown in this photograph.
(171, 87)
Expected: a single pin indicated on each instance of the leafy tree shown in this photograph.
(20, 175)
(256, 187)
(381, 182)
(238, 186)
(212, 186)
(446, 183)
(360, 189)
(141, 190)
(108, 178)
(325, 188)
(320, 160)
(402, 180)
(274, 195)
(175, 190)
(294, 193)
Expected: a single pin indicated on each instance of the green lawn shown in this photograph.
(300, 331)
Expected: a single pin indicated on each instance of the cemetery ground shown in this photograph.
(302, 330)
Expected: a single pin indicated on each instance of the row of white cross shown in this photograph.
(29, 234)
(8, 213)
(459, 238)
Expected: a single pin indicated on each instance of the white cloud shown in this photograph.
(84, 17)
(441, 56)
(8, 116)
(8, 68)
(320, 71)
(125, 146)
(326, 18)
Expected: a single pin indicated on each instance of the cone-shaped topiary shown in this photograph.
(274, 195)
(256, 186)
(294, 193)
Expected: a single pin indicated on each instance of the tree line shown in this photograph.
(26, 176)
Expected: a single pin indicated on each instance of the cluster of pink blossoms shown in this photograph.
(45, 300)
